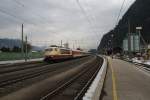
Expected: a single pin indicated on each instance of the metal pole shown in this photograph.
(26, 50)
(129, 39)
(73, 45)
(112, 44)
(142, 39)
(139, 41)
(22, 46)
(134, 42)
(76, 44)
(61, 43)
(139, 34)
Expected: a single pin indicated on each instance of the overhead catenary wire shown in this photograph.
(87, 18)
(15, 17)
(19, 3)
(117, 20)
(24, 6)
(35, 13)
(9, 14)
(20, 20)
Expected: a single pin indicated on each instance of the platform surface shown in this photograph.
(20, 61)
(124, 81)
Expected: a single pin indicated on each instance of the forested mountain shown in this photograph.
(11, 43)
(137, 15)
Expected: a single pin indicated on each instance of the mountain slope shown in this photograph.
(137, 15)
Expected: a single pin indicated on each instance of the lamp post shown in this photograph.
(26, 48)
(112, 36)
(139, 34)
(22, 41)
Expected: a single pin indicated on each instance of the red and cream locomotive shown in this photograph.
(56, 53)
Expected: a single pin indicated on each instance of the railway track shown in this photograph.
(75, 88)
(20, 74)
(14, 74)
(26, 65)
(141, 66)
(19, 67)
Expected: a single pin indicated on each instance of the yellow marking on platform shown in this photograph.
(114, 90)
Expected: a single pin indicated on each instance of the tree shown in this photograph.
(16, 49)
(5, 49)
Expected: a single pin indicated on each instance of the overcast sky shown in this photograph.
(48, 22)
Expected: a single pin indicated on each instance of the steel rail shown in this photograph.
(145, 66)
(94, 91)
(24, 77)
(84, 89)
(66, 84)
(21, 67)
(30, 74)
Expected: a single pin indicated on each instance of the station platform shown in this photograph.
(124, 81)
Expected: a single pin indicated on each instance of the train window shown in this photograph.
(50, 49)
(64, 51)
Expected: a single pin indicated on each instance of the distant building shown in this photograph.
(135, 43)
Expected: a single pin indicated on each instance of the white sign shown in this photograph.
(138, 28)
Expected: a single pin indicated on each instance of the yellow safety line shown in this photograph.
(115, 97)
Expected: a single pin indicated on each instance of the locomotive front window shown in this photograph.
(55, 49)
(49, 49)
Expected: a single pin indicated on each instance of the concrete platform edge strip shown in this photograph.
(94, 91)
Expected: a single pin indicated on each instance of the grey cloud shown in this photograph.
(46, 20)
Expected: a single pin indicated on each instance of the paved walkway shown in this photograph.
(125, 82)
(20, 61)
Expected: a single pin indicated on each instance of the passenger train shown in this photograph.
(56, 53)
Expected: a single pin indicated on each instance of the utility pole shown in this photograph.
(129, 39)
(112, 36)
(73, 46)
(22, 45)
(76, 44)
(139, 40)
(134, 43)
(26, 48)
(61, 43)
